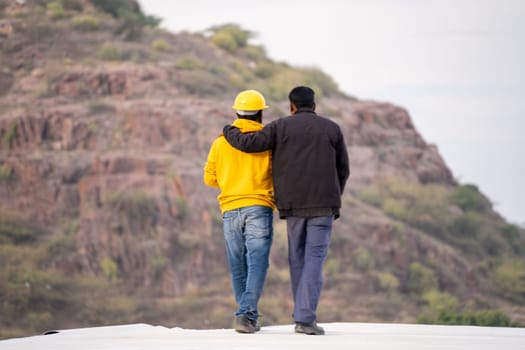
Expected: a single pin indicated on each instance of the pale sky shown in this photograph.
(457, 66)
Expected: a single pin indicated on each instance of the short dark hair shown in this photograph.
(302, 96)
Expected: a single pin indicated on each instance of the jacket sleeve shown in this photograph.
(210, 169)
(259, 141)
(342, 163)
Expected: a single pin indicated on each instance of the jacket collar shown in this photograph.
(305, 110)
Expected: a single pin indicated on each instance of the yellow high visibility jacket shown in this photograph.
(245, 179)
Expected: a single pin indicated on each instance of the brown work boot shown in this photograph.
(244, 325)
(308, 328)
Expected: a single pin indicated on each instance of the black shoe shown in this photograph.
(308, 328)
(244, 325)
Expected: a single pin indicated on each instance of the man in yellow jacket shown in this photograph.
(247, 204)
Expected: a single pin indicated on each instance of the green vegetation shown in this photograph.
(183, 208)
(230, 37)
(265, 69)
(385, 281)
(43, 297)
(225, 41)
(512, 234)
(5, 172)
(15, 229)
(113, 7)
(440, 302)
(461, 217)
(132, 20)
(119, 8)
(421, 278)
(202, 83)
(509, 275)
(160, 45)
(363, 259)
(137, 210)
(254, 52)
(485, 318)
(189, 240)
(434, 210)
(322, 83)
(158, 264)
(284, 77)
(35, 294)
(468, 198)
(85, 23)
(98, 107)
(10, 135)
(109, 268)
(398, 199)
(444, 308)
(92, 127)
(73, 5)
(55, 10)
(109, 52)
(60, 244)
(131, 24)
(189, 63)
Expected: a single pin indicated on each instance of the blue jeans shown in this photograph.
(248, 234)
(308, 241)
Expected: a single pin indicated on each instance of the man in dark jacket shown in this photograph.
(310, 168)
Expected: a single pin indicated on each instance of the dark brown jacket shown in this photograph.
(309, 162)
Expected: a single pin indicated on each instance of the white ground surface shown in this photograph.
(369, 336)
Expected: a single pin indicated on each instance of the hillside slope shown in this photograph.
(105, 125)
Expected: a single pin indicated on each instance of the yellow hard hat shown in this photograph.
(249, 100)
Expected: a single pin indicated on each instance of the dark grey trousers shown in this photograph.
(308, 241)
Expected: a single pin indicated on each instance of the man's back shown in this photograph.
(305, 164)
(309, 162)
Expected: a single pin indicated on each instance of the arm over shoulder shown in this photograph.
(251, 142)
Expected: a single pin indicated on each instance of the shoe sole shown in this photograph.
(244, 330)
(304, 331)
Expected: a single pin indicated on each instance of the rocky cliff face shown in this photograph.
(107, 159)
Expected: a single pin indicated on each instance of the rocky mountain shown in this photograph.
(105, 125)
